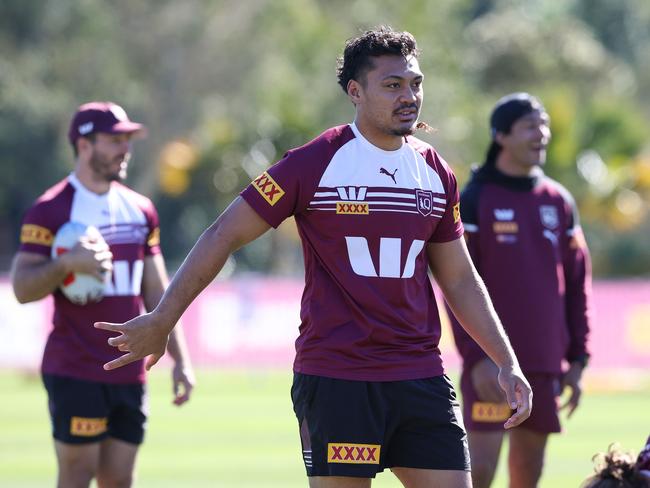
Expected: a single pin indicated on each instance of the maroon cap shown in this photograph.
(105, 117)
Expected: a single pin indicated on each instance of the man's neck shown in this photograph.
(380, 139)
(86, 178)
(511, 168)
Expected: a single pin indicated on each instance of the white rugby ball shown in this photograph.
(79, 288)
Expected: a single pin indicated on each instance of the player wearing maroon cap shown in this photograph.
(524, 237)
(98, 417)
(375, 208)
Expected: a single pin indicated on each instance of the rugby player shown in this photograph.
(98, 416)
(375, 208)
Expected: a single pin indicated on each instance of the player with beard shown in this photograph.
(375, 208)
(98, 417)
(524, 236)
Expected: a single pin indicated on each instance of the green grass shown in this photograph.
(239, 431)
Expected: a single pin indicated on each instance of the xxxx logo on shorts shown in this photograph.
(353, 453)
(352, 208)
(87, 427)
(490, 412)
(268, 188)
(35, 234)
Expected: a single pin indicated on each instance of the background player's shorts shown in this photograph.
(358, 428)
(87, 411)
(484, 416)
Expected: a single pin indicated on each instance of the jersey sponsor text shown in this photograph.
(345, 453)
(490, 412)
(268, 188)
(88, 427)
(35, 234)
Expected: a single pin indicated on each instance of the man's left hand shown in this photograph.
(572, 379)
(183, 380)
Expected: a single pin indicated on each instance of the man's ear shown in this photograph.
(499, 137)
(354, 91)
(83, 145)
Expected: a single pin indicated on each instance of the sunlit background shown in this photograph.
(226, 87)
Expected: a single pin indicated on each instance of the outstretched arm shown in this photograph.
(148, 334)
(468, 298)
(155, 281)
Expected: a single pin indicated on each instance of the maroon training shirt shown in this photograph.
(128, 222)
(365, 216)
(526, 242)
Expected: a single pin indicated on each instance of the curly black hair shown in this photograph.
(357, 55)
(616, 469)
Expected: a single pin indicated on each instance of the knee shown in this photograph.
(75, 474)
(114, 480)
(526, 473)
(482, 473)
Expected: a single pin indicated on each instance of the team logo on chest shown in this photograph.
(424, 201)
(549, 216)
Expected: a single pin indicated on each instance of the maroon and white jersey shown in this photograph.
(365, 216)
(128, 222)
(524, 236)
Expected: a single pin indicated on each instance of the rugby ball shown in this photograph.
(79, 288)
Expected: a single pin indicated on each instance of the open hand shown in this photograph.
(143, 336)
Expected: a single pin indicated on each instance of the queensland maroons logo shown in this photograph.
(549, 216)
(424, 201)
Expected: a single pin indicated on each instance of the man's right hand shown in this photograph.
(88, 256)
(519, 395)
(485, 380)
(503, 385)
(143, 336)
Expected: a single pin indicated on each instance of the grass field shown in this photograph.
(239, 431)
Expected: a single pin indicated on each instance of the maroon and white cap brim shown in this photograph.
(128, 127)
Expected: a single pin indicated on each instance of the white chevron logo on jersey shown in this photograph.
(503, 214)
(390, 251)
(352, 193)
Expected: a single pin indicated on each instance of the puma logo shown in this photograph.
(383, 171)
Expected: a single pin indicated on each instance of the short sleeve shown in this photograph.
(37, 231)
(450, 227)
(152, 245)
(275, 194)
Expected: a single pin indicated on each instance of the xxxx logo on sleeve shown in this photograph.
(35, 234)
(353, 453)
(456, 210)
(268, 188)
(154, 237)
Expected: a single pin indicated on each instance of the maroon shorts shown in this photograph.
(484, 416)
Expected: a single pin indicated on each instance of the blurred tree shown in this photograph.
(227, 87)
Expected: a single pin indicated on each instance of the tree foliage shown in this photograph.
(227, 87)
